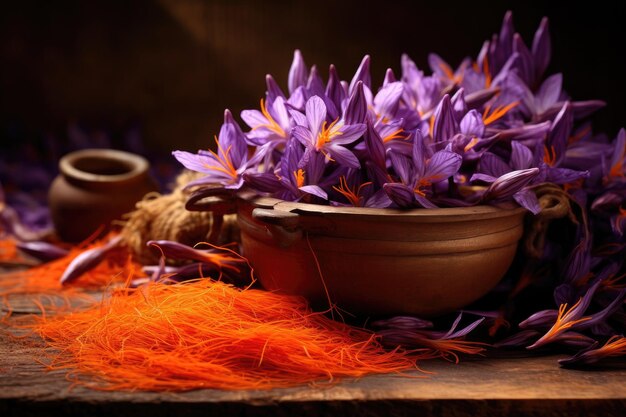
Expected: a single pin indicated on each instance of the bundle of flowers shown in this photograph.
(491, 131)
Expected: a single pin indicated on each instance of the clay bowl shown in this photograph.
(95, 187)
(424, 262)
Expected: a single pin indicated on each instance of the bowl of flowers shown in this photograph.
(407, 197)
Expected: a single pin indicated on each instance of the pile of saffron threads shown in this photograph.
(8, 251)
(43, 280)
(208, 334)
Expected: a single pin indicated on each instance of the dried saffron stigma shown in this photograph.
(207, 334)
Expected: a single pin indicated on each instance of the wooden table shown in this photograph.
(475, 387)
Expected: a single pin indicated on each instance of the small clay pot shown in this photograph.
(423, 262)
(95, 187)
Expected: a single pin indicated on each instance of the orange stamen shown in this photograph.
(326, 134)
(351, 194)
(299, 176)
(396, 134)
(564, 321)
(578, 136)
(498, 113)
(207, 334)
(226, 164)
(272, 125)
(486, 72)
(549, 155)
(471, 144)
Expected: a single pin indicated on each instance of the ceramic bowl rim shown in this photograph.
(137, 164)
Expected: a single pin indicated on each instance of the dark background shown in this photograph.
(166, 69)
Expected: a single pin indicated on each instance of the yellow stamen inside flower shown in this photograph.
(272, 124)
(578, 136)
(327, 132)
(498, 113)
(563, 321)
(351, 194)
(446, 70)
(299, 176)
(431, 126)
(226, 164)
(470, 144)
(617, 170)
(396, 134)
(486, 72)
(615, 346)
(549, 155)
(450, 74)
(574, 185)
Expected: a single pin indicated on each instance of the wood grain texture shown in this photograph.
(485, 386)
(494, 386)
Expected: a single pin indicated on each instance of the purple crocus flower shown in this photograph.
(220, 258)
(296, 178)
(88, 260)
(412, 332)
(271, 123)
(418, 174)
(318, 136)
(225, 166)
(614, 347)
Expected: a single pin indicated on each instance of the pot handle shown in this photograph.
(282, 225)
(212, 199)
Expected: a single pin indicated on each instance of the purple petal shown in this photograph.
(303, 135)
(521, 156)
(315, 85)
(343, 156)
(560, 132)
(42, 251)
(403, 323)
(262, 181)
(445, 125)
(519, 339)
(390, 77)
(510, 183)
(442, 165)
(424, 202)
(349, 133)
(315, 190)
(273, 90)
(388, 98)
(87, 260)
(362, 74)
(315, 114)
(525, 64)
(493, 165)
(527, 199)
(334, 89)
(195, 162)
(403, 166)
(540, 319)
(374, 146)
(298, 73)
(477, 99)
(564, 175)
(542, 48)
(549, 93)
(356, 109)
(472, 124)
(458, 104)
(400, 194)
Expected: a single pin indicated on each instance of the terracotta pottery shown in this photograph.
(94, 187)
(379, 261)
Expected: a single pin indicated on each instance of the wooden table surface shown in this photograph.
(514, 386)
